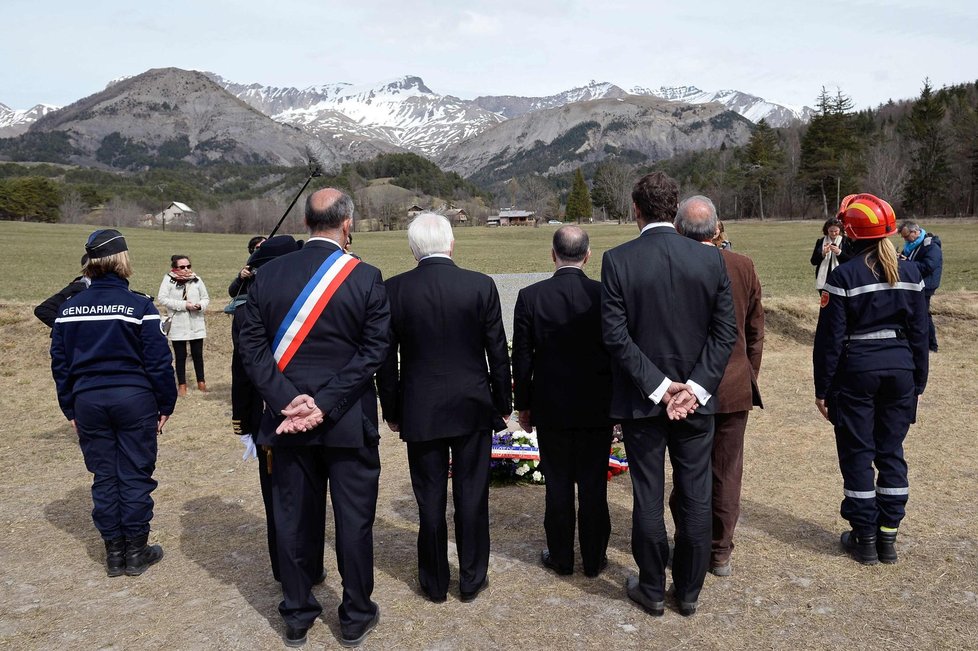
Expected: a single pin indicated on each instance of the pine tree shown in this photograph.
(764, 160)
(579, 200)
(929, 172)
(832, 150)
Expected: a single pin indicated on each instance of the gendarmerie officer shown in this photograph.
(870, 360)
(114, 376)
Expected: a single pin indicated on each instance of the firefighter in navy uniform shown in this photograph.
(113, 372)
(870, 360)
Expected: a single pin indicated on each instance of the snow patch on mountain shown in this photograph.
(14, 122)
(752, 107)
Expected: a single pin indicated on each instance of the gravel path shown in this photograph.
(509, 285)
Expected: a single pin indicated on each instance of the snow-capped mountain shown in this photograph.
(511, 106)
(403, 113)
(752, 107)
(13, 122)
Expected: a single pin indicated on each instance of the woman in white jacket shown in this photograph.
(184, 296)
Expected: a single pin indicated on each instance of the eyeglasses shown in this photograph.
(182, 266)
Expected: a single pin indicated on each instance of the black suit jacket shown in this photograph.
(561, 370)
(337, 361)
(666, 311)
(446, 322)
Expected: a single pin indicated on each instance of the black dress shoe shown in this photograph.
(549, 563)
(295, 636)
(466, 597)
(592, 574)
(654, 608)
(321, 579)
(356, 638)
(687, 608)
(432, 598)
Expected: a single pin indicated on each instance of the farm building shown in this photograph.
(177, 215)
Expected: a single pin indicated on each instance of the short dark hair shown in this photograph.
(254, 242)
(656, 195)
(571, 243)
(829, 223)
(176, 258)
(329, 217)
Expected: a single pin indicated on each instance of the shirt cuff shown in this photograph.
(656, 396)
(702, 395)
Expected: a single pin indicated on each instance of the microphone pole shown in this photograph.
(316, 171)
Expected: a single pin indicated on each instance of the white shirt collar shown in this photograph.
(656, 225)
(324, 239)
(436, 255)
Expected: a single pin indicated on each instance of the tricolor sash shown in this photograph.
(310, 304)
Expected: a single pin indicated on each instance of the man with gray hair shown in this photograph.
(738, 391)
(562, 386)
(924, 250)
(445, 401)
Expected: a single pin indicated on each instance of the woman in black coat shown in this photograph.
(831, 250)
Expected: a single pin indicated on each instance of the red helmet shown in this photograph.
(867, 217)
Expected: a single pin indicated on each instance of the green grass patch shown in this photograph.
(41, 258)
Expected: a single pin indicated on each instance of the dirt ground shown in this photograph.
(792, 587)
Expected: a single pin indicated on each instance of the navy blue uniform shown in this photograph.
(928, 257)
(114, 376)
(870, 361)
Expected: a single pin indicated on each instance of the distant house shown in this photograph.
(414, 211)
(457, 216)
(512, 218)
(176, 215)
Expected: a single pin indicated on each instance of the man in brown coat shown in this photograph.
(738, 392)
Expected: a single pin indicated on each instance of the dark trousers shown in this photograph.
(727, 462)
(300, 476)
(117, 434)
(568, 458)
(690, 443)
(872, 412)
(932, 331)
(180, 359)
(246, 403)
(428, 462)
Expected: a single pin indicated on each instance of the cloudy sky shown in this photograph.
(59, 51)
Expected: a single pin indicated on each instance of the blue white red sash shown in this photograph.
(310, 304)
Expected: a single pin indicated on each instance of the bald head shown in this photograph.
(697, 219)
(327, 210)
(570, 245)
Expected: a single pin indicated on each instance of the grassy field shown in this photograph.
(42, 258)
(792, 587)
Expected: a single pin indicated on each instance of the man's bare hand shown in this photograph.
(525, 420)
(301, 415)
(395, 427)
(822, 408)
(682, 404)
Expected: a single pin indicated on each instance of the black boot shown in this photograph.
(885, 549)
(139, 555)
(115, 556)
(862, 548)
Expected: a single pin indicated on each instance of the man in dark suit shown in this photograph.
(562, 386)
(445, 401)
(668, 324)
(738, 391)
(316, 327)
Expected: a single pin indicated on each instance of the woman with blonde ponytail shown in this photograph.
(870, 360)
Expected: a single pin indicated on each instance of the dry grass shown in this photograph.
(792, 587)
